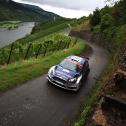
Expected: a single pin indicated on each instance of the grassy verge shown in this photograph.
(19, 72)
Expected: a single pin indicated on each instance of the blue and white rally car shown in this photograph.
(69, 73)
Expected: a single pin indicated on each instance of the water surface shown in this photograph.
(9, 36)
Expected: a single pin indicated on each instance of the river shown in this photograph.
(9, 36)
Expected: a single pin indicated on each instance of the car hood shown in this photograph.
(65, 73)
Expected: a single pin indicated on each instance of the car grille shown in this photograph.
(59, 80)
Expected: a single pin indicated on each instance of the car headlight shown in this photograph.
(52, 71)
(73, 80)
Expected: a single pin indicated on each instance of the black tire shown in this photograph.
(87, 73)
(85, 77)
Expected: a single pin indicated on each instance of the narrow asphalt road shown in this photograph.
(39, 104)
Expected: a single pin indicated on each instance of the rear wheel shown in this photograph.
(85, 77)
(87, 73)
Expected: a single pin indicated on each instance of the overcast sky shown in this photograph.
(68, 8)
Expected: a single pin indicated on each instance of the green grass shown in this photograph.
(19, 72)
(50, 24)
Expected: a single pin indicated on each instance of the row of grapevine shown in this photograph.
(18, 51)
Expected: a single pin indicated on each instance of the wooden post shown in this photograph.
(45, 45)
(38, 50)
(8, 61)
(75, 42)
(30, 44)
(59, 45)
(68, 44)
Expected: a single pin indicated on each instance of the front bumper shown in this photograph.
(62, 85)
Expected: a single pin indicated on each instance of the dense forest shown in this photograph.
(110, 22)
(109, 16)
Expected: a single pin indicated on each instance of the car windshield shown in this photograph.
(70, 65)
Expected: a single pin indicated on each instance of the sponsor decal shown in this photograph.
(65, 70)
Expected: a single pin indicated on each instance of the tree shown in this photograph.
(106, 21)
(119, 12)
(113, 1)
(95, 18)
(105, 10)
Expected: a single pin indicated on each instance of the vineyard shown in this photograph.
(53, 25)
(45, 30)
(41, 47)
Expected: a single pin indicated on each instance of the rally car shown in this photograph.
(69, 73)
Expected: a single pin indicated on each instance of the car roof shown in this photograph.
(76, 59)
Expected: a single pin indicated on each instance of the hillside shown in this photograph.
(106, 102)
(10, 10)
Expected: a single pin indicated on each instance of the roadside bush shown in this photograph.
(106, 21)
(95, 18)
